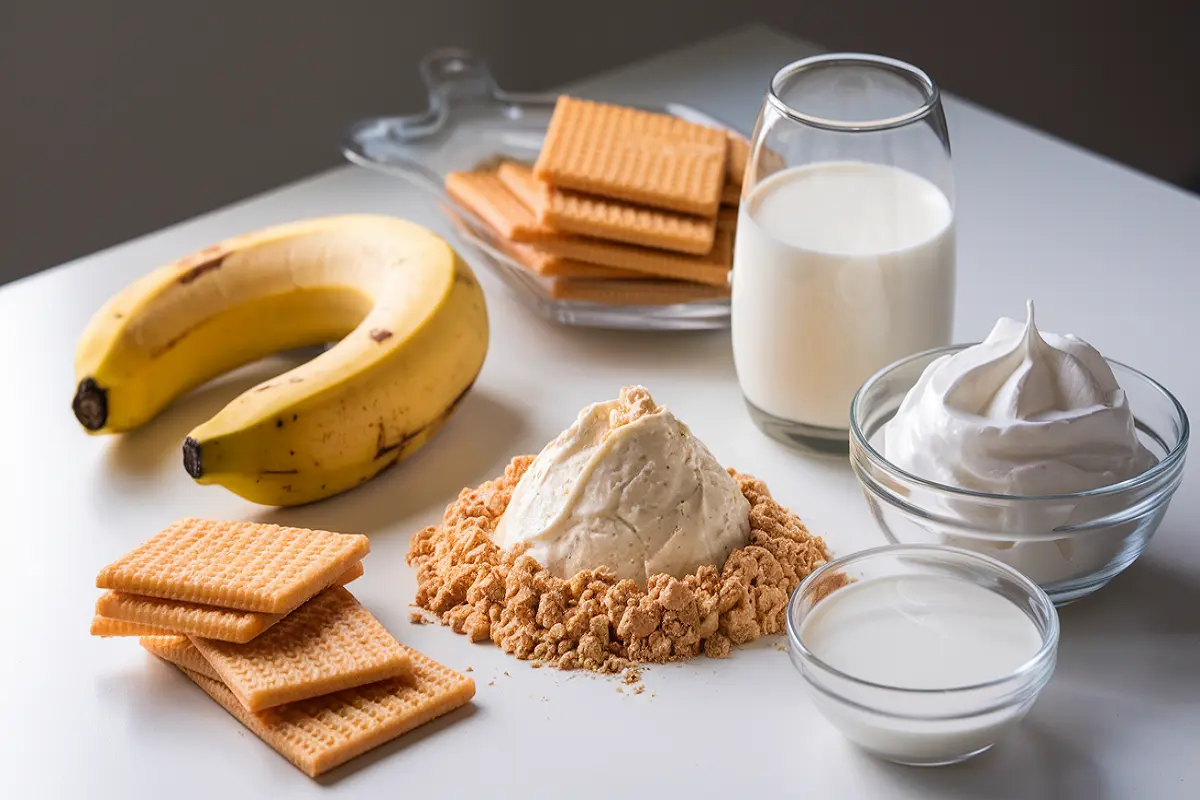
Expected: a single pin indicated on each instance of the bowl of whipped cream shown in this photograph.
(1029, 447)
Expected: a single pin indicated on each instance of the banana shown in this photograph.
(408, 312)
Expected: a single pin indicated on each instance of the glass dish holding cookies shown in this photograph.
(593, 214)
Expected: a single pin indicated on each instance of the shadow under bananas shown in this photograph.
(148, 453)
(474, 446)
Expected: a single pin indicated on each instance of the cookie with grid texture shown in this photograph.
(211, 622)
(322, 733)
(329, 644)
(624, 153)
(247, 566)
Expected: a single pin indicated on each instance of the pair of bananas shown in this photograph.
(411, 328)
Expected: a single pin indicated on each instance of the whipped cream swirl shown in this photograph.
(1022, 413)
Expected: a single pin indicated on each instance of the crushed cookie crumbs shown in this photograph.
(593, 621)
(417, 618)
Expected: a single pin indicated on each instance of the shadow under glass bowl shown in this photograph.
(1070, 544)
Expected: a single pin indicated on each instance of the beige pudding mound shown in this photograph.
(574, 615)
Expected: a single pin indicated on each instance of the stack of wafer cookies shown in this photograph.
(258, 617)
(622, 207)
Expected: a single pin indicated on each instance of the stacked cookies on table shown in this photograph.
(258, 617)
(623, 206)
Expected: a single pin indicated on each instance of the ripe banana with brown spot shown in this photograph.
(408, 312)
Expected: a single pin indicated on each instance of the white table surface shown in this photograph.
(1107, 253)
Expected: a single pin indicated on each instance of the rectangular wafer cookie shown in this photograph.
(247, 566)
(739, 155)
(712, 269)
(105, 626)
(180, 651)
(550, 265)
(322, 733)
(488, 198)
(615, 220)
(225, 624)
(328, 644)
(632, 293)
(646, 158)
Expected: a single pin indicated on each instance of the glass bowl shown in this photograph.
(471, 122)
(923, 727)
(1070, 544)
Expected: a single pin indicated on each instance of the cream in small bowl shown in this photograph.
(1028, 447)
(928, 655)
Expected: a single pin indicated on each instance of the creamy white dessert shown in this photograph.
(1022, 413)
(627, 487)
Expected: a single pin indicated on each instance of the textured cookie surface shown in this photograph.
(106, 626)
(180, 651)
(246, 566)
(211, 622)
(632, 293)
(627, 154)
(571, 212)
(328, 644)
(739, 155)
(319, 734)
(486, 196)
(712, 269)
(550, 265)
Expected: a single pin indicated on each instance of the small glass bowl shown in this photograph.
(1070, 544)
(923, 727)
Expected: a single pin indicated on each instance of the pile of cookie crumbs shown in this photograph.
(592, 620)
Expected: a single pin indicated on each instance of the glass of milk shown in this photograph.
(844, 259)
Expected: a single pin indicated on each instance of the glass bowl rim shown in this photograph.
(931, 90)
(1030, 669)
(1167, 462)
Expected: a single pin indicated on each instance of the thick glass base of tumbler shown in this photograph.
(812, 438)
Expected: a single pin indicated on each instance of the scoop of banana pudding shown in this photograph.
(627, 487)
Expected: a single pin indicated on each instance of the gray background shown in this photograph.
(118, 117)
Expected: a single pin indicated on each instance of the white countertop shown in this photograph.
(1107, 253)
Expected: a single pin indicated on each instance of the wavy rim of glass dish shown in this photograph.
(1029, 669)
(921, 78)
(1167, 462)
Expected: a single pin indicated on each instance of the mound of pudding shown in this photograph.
(623, 542)
(627, 488)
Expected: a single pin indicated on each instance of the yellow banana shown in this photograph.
(413, 333)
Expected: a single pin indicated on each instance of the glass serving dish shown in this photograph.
(471, 122)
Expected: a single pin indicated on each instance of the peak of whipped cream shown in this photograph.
(1023, 413)
(627, 487)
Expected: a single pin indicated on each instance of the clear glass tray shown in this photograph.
(470, 122)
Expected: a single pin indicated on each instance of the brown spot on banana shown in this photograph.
(207, 265)
(380, 334)
(383, 450)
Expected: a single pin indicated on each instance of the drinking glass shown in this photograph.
(844, 260)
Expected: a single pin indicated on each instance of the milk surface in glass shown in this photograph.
(840, 268)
